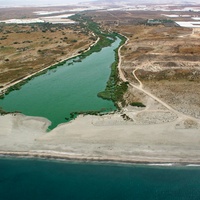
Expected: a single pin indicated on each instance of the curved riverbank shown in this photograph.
(116, 86)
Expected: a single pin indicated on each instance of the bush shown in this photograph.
(138, 104)
(74, 41)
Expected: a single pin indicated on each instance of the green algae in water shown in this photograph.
(65, 89)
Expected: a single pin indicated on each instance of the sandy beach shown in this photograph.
(103, 138)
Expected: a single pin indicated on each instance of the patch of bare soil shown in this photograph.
(167, 64)
(182, 95)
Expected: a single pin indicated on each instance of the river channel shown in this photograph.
(72, 87)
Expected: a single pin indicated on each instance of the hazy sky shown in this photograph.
(67, 2)
(39, 2)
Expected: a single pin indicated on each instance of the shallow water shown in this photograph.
(68, 88)
(36, 179)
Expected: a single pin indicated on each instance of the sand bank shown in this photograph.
(101, 138)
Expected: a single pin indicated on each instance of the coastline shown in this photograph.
(70, 158)
(100, 139)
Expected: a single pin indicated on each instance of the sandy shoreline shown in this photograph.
(66, 157)
(106, 138)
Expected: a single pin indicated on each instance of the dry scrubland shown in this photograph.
(168, 64)
(25, 49)
(165, 58)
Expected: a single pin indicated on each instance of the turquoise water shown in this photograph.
(68, 88)
(47, 180)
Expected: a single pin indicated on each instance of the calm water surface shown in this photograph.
(50, 180)
(68, 88)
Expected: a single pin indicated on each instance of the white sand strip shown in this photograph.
(81, 139)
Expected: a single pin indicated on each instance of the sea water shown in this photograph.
(29, 179)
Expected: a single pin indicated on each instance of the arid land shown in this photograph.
(28, 48)
(164, 57)
(162, 65)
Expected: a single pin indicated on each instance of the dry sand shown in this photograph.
(104, 138)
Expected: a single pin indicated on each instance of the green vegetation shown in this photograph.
(126, 117)
(87, 25)
(138, 104)
(159, 21)
(101, 112)
(3, 112)
(73, 40)
(2, 96)
(115, 89)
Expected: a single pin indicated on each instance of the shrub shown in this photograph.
(138, 104)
